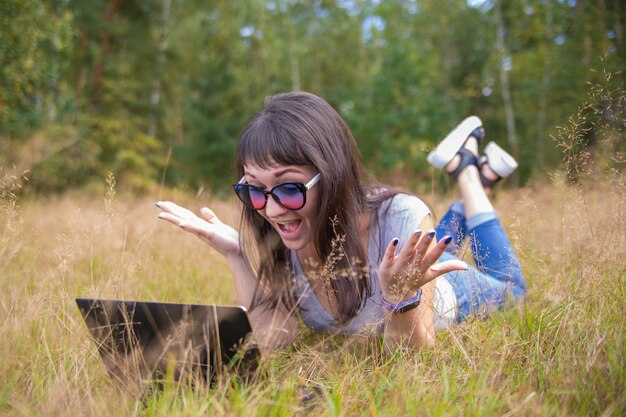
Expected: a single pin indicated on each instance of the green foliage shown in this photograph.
(34, 42)
(130, 80)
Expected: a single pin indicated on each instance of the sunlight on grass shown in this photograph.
(562, 353)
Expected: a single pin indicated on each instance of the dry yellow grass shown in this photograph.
(561, 355)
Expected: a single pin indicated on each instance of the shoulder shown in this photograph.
(394, 214)
(400, 215)
(403, 205)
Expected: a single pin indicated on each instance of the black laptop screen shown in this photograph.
(143, 341)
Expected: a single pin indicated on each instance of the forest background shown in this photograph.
(109, 105)
(155, 91)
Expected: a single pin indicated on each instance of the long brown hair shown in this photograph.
(302, 129)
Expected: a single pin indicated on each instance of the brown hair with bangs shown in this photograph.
(303, 129)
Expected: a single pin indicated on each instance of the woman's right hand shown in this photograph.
(209, 228)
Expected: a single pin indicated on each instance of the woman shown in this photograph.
(319, 244)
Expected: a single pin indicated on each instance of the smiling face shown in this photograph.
(295, 227)
(294, 137)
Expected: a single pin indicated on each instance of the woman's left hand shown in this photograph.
(402, 274)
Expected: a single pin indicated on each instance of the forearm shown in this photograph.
(273, 328)
(413, 328)
(407, 330)
(245, 281)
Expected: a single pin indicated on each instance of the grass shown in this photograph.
(560, 354)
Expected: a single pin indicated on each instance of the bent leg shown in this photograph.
(493, 253)
(478, 293)
(497, 277)
(453, 224)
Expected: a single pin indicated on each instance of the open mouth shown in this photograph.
(289, 227)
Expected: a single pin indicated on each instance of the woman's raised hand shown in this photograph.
(209, 228)
(402, 274)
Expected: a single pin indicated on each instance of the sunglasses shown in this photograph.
(290, 195)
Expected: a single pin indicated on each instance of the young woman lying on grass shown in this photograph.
(319, 244)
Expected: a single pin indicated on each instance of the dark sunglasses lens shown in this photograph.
(250, 196)
(257, 197)
(290, 196)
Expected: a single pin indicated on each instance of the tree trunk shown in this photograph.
(581, 21)
(295, 64)
(80, 73)
(619, 30)
(105, 46)
(506, 89)
(294, 60)
(545, 88)
(155, 95)
(604, 40)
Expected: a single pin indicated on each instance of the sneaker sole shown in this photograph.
(499, 160)
(450, 145)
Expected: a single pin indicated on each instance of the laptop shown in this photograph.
(146, 342)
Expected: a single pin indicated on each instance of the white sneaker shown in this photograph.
(499, 160)
(450, 145)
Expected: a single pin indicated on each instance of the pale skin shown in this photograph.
(401, 274)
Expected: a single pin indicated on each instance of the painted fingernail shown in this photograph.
(448, 240)
(157, 204)
(396, 241)
(431, 234)
(418, 234)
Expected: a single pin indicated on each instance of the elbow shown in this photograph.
(272, 340)
(416, 340)
(430, 342)
(519, 293)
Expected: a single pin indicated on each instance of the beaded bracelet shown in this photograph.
(404, 306)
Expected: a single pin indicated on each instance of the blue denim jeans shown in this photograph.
(497, 277)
